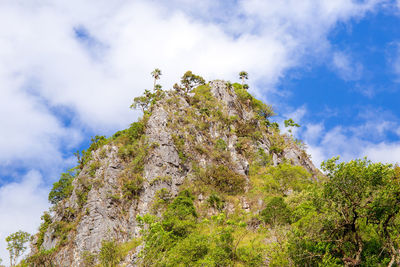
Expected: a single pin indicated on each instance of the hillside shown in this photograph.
(204, 178)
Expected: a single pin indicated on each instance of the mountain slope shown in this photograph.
(193, 156)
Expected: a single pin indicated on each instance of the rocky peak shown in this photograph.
(207, 141)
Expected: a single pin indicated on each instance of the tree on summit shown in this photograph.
(156, 73)
(243, 76)
(190, 80)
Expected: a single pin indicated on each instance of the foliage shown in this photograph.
(191, 242)
(42, 258)
(263, 111)
(63, 188)
(88, 258)
(86, 155)
(82, 192)
(46, 221)
(243, 76)
(222, 179)
(190, 80)
(110, 254)
(289, 123)
(132, 186)
(355, 213)
(285, 178)
(143, 102)
(220, 145)
(16, 245)
(216, 202)
(276, 212)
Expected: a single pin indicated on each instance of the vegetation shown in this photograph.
(16, 245)
(243, 76)
(46, 221)
(63, 188)
(289, 123)
(156, 73)
(189, 81)
(109, 254)
(226, 212)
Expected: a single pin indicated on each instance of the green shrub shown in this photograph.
(93, 167)
(63, 188)
(216, 202)
(88, 258)
(220, 145)
(276, 212)
(46, 221)
(189, 251)
(83, 191)
(250, 256)
(180, 215)
(133, 186)
(109, 254)
(86, 155)
(224, 179)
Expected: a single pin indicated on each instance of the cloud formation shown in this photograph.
(90, 59)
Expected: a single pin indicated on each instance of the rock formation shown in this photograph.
(184, 136)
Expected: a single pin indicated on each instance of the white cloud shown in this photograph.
(346, 68)
(383, 152)
(21, 204)
(43, 65)
(352, 142)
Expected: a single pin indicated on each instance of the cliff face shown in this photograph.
(185, 141)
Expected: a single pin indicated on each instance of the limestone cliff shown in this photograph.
(183, 141)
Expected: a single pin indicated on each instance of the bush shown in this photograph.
(181, 215)
(89, 259)
(220, 145)
(63, 188)
(224, 179)
(216, 202)
(109, 254)
(46, 218)
(276, 212)
(133, 186)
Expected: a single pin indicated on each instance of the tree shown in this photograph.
(243, 76)
(290, 123)
(355, 218)
(143, 102)
(62, 189)
(190, 80)
(156, 73)
(16, 245)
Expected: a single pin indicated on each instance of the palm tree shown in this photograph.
(243, 75)
(156, 73)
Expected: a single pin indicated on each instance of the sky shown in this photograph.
(70, 69)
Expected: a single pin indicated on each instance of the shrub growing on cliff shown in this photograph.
(224, 179)
(63, 188)
(109, 254)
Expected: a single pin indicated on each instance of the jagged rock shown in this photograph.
(105, 216)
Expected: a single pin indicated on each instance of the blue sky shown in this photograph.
(69, 70)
